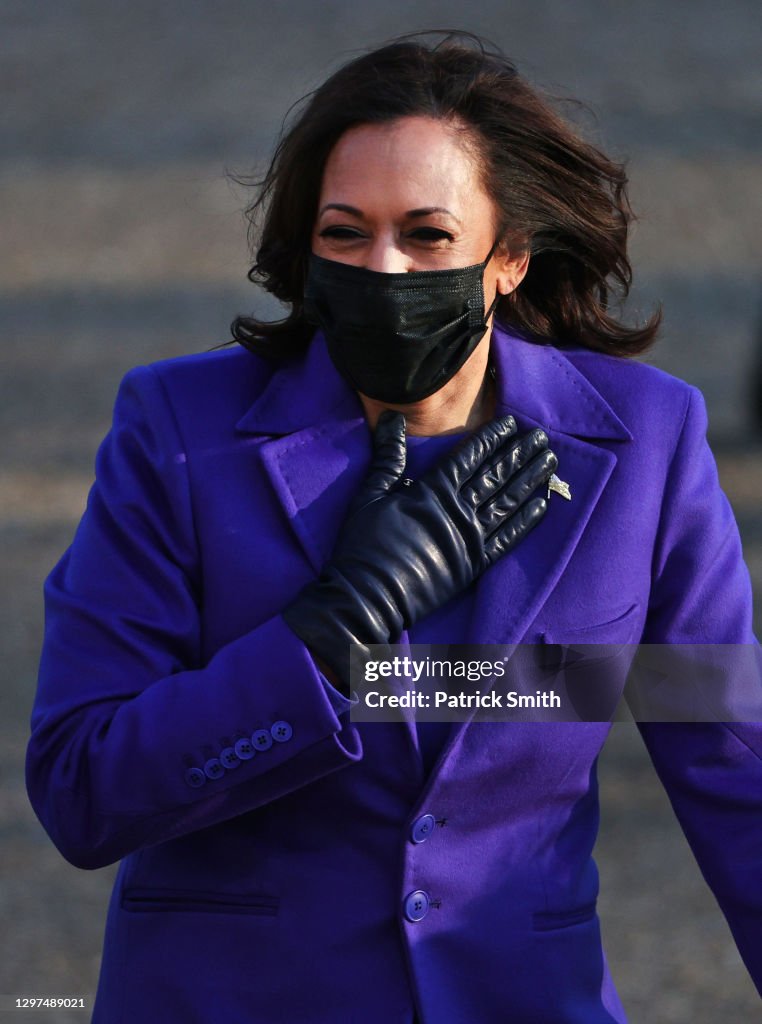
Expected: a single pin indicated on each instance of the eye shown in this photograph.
(431, 235)
(338, 231)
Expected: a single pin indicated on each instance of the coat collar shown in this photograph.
(301, 394)
(538, 381)
(544, 386)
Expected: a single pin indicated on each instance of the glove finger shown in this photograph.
(471, 454)
(492, 514)
(389, 458)
(514, 529)
(503, 466)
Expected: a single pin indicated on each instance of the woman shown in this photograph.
(455, 242)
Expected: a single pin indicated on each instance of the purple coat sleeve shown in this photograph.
(133, 739)
(712, 772)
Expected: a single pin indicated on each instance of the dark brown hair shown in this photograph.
(555, 193)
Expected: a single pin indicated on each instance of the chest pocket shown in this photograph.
(622, 627)
(589, 664)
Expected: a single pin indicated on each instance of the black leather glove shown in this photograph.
(406, 550)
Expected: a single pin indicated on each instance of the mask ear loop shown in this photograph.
(492, 308)
(490, 364)
(490, 254)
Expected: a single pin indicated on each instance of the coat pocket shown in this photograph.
(551, 920)
(197, 901)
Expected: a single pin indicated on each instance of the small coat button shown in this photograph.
(262, 739)
(281, 731)
(243, 749)
(213, 768)
(416, 905)
(229, 758)
(195, 777)
(422, 828)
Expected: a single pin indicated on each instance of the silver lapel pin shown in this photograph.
(559, 486)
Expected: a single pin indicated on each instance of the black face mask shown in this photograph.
(397, 337)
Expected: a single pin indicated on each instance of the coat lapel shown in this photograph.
(317, 448)
(540, 387)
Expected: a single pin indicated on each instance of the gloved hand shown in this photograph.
(406, 550)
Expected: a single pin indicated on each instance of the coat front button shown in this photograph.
(262, 739)
(213, 768)
(195, 777)
(416, 905)
(422, 828)
(281, 731)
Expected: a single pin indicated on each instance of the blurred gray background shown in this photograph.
(123, 242)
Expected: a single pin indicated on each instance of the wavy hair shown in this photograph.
(556, 194)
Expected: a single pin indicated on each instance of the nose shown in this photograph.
(385, 257)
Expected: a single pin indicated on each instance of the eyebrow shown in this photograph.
(423, 211)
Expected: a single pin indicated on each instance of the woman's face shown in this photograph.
(408, 195)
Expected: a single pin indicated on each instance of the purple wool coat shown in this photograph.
(269, 846)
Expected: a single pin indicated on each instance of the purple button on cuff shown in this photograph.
(195, 777)
(281, 731)
(229, 758)
(261, 739)
(244, 750)
(213, 768)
